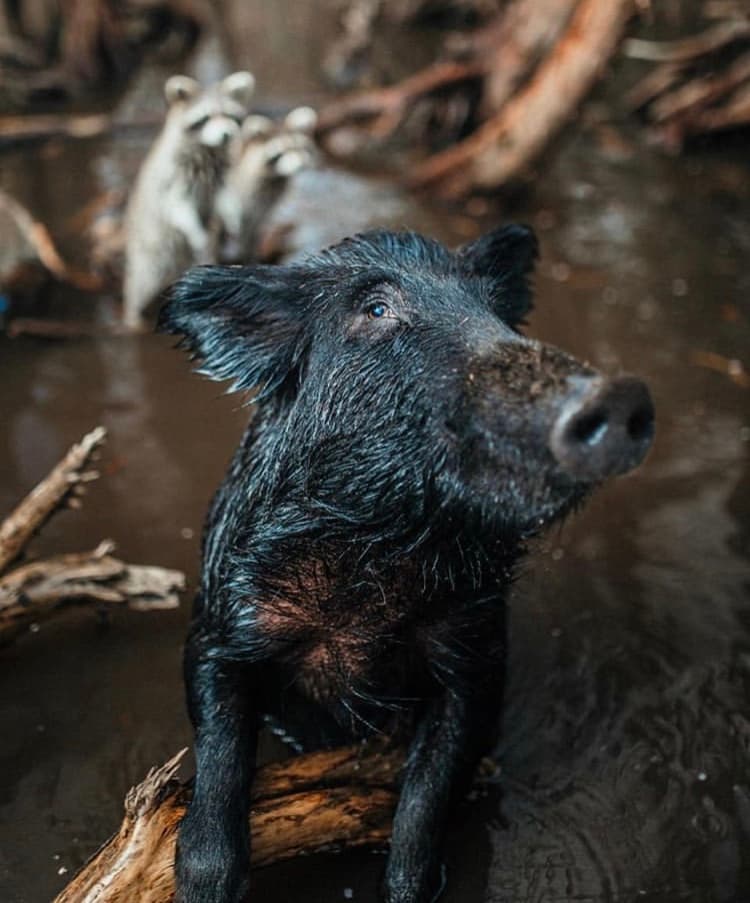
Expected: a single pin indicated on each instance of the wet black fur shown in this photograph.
(364, 538)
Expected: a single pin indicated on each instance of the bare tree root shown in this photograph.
(502, 148)
(329, 800)
(386, 108)
(76, 44)
(687, 50)
(702, 82)
(500, 55)
(533, 63)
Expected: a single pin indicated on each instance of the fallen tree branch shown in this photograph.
(34, 592)
(351, 805)
(64, 483)
(505, 145)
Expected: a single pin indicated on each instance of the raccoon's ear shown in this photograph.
(301, 119)
(239, 323)
(180, 88)
(506, 256)
(239, 86)
(254, 127)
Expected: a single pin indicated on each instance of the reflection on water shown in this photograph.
(625, 758)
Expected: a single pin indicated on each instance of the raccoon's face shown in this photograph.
(279, 149)
(210, 116)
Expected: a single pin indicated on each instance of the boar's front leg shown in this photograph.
(213, 849)
(451, 738)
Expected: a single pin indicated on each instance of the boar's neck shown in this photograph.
(262, 524)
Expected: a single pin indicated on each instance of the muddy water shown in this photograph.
(625, 758)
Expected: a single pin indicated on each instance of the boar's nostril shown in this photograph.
(641, 424)
(602, 428)
(590, 428)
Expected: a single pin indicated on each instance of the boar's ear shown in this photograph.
(506, 257)
(238, 322)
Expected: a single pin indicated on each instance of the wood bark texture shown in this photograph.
(321, 801)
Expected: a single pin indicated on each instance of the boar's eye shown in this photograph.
(377, 310)
(377, 315)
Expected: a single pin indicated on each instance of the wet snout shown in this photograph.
(604, 427)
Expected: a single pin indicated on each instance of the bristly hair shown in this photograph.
(239, 322)
(505, 258)
(378, 247)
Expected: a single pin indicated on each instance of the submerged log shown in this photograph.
(338, 799)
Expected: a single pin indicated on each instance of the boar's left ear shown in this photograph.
(238, 322)
(506, 257)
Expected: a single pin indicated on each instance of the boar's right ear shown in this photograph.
(506, 256)
(238, 322)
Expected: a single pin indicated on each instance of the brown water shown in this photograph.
(625, 760)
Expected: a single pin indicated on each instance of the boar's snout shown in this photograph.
(604, 427)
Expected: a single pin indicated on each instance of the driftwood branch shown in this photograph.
(34, 592)
(63, 484)
(321, 801)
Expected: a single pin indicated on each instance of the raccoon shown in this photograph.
(269, 154)
(171, 220)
